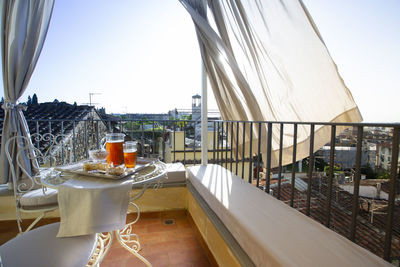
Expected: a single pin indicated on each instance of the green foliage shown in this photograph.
(383, 175)
(336, 169)
(183, 122)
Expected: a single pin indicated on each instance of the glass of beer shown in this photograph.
(114, 146)
(130, 153)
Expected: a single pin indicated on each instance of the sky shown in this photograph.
(140, 56)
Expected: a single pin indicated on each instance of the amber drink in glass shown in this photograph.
(114, 146)
(130, 154)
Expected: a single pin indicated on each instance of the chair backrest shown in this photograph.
(55, 149)
(27, 154)
(21, 156)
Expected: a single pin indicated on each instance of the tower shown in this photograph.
(196, 107)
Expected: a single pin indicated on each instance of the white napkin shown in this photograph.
(92, 205)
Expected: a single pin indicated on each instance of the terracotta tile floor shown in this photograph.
(163, 244)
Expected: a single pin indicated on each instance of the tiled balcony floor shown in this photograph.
(163, 244)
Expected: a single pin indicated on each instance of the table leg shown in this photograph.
(126, 237)
(129, 240)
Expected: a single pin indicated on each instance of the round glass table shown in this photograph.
(148, 175)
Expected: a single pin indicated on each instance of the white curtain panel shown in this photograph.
(266, 61)
(24, 25)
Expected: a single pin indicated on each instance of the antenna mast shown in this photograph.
(90, 98)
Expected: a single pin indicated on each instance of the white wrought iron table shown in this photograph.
(147, 177)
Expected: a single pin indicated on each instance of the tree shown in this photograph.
(34, 99)
(183, 122)
(29, 102)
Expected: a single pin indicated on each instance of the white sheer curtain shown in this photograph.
(266, 61)
(24, 25)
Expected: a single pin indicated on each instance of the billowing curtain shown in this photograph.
(24, 25)
(266, 61)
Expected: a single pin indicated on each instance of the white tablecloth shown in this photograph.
(92, 205)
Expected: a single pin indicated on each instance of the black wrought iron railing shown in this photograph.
(322, 191)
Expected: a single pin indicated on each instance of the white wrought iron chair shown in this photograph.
(41, 248)
(30, 195)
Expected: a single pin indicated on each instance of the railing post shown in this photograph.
(293, 164)
(204, 117)
(214, 133)
(237, 148)
(62, 147)
(243, 146)
(85, 129)
(231, 147)
(74, 143)
(50, 144)
(226, 145)
(142, 138)
(174, 141)
(154, 141)
(269, 151)
(310, 169)
(194, 143)
(38, 132)
(280, 160)
(392, 194)
(330, 177)
(356, 184)
(258, 155)
(250, 153)
(221, 140)
(218, 140)
(184, 143)
(163, 141)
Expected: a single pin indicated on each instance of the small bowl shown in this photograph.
(98, 154)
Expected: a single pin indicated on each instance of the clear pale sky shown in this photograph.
(143, 57)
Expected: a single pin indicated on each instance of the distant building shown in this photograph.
(384, 152)
(346, 155)
(146, 116)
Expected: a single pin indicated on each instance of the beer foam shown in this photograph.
(130, 150)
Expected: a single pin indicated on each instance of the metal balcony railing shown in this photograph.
(317, 194)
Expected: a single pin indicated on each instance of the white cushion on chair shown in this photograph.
(37, 198)
(40, 247)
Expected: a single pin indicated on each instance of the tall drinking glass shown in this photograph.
(130, 154)
(114, 146)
